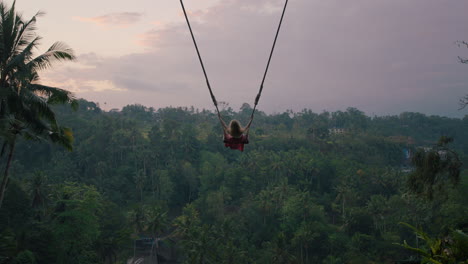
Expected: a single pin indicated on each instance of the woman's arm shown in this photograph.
(246, 129)
(225, 127)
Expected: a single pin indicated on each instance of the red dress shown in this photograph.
(235, 143)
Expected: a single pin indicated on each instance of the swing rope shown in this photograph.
(199, 58)
(257, 98)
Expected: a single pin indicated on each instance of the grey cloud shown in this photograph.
(122, 19)
(149, 85)
(383, 57)
(89, 59)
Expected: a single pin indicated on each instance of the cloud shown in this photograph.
(101, 85)
(383, 57)
(119, 20)
(83, 86)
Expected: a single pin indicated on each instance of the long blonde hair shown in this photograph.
(235, 129)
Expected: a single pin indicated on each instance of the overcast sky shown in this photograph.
(380, 56)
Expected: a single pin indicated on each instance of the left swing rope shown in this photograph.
(200, 59)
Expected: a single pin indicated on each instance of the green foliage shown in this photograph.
(114, 234)
(7, 245)
(195, 239)
(435, 168)
(15, 213)
(24, 257)
(289, 198)
(76, 222)
(451, 249)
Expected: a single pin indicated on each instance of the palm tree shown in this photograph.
(38, 195)
(155, 222)
(25, 105)
(137, 219)
(276, 165)
(343, 191)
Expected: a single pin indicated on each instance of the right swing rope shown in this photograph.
(257, 98)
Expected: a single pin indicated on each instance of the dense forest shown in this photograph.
(159, 186)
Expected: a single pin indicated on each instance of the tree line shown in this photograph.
(298, 194)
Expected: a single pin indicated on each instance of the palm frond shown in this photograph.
(17, 40)
(16, 31)
(59, 51)
(54, 95)
(34, 125)
(30, 135)
(3, 11)
(31, 110)
(26, 31)
(62, 136)
(8, 27)
(22, 58)
(37, 104)
(15, 68)
(64, 52)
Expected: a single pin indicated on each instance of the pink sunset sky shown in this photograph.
(380, 56)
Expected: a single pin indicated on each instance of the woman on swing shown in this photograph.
(235, 136)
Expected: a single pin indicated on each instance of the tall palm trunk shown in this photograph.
(7, 168)
(343, 207)
(155, 250)
(3, 148)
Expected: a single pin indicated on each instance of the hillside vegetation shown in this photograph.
(326, 187)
